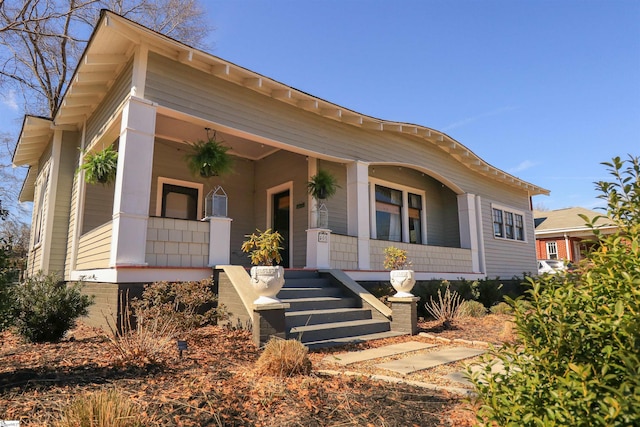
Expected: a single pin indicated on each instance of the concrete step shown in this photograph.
(318, 303)
(309, 292)
(326, 331)
(300, 274)
(333, 342)
(309, 282)
(314, 317)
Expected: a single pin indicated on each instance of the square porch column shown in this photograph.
(133, 183)
(471, 229)
(358, 210)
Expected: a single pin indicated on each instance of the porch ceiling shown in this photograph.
(177, 130)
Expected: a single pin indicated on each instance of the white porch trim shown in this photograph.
(358, 209)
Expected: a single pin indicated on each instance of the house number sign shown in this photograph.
(323, 237)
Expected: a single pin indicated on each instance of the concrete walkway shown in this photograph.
(429, 360)
(376, 353)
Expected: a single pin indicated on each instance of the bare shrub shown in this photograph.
(472, 309)
(106, 408)
(147, 343)
(284, 358)
(187, 305)
(446, 308)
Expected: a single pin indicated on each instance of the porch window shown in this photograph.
(397, 213)
(179, 199)
(507, 223)
(388, 214)
(415, 218)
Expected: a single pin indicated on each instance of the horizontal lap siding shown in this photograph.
(94, 248)
(98, 205)
(107, 109)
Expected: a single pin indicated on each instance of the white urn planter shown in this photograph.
(403, 281)
(267, 282)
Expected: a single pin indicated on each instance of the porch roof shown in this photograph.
(35, 135)
(116, 39)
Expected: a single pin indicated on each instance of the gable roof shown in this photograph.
(115, 40)
(565, 220)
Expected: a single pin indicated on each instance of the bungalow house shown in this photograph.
(149, 96)
(563, 234)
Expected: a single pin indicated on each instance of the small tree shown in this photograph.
(577, 361)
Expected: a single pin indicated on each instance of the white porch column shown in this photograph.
(358, 210)
(133, 183)
(219, 241)
(468, 220)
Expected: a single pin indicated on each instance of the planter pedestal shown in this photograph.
(268, 321)
(318, 248)
(404, 314)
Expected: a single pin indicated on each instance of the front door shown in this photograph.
(281, 216)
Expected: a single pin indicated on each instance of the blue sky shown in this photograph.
(545, 90)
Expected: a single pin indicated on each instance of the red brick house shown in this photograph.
(563, 234)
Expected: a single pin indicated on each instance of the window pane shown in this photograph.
(519, 227)
(508, 225)
(497, 223)
(388, 222)
(179, 202)
(388, 195)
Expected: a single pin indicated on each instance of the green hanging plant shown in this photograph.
(100, 167)
(322, 185)
(209, 158)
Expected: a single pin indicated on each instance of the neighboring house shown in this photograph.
(563, 234)
(148, 95)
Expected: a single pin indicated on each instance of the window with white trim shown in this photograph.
(397, 213)
(179, 199)
(552, 250)
(508, 223)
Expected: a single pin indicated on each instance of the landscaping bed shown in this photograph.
(216, 383)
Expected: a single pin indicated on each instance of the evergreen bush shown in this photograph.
(45, 308)
(577, 360)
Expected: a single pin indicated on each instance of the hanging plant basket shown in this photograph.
(209, 158)
(322, 185)
(100, 167)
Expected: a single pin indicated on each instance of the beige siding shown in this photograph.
(108, 108)
(168, 162)
(425, 258)
(98, 205)
(275, 170)
(60, 231)
(177, 243)
(94, 248)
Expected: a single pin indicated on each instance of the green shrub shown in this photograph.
(578, 358)
(45, 308)
(187, 305)
(501, 308)
(472, 309)
(6, 289)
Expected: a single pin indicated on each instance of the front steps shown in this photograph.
(321, 314)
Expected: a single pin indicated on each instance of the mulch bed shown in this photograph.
(215, 383)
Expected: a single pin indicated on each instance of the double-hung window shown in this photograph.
(38, 221)
(508, 223)
(397, 213)
(552, 250)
